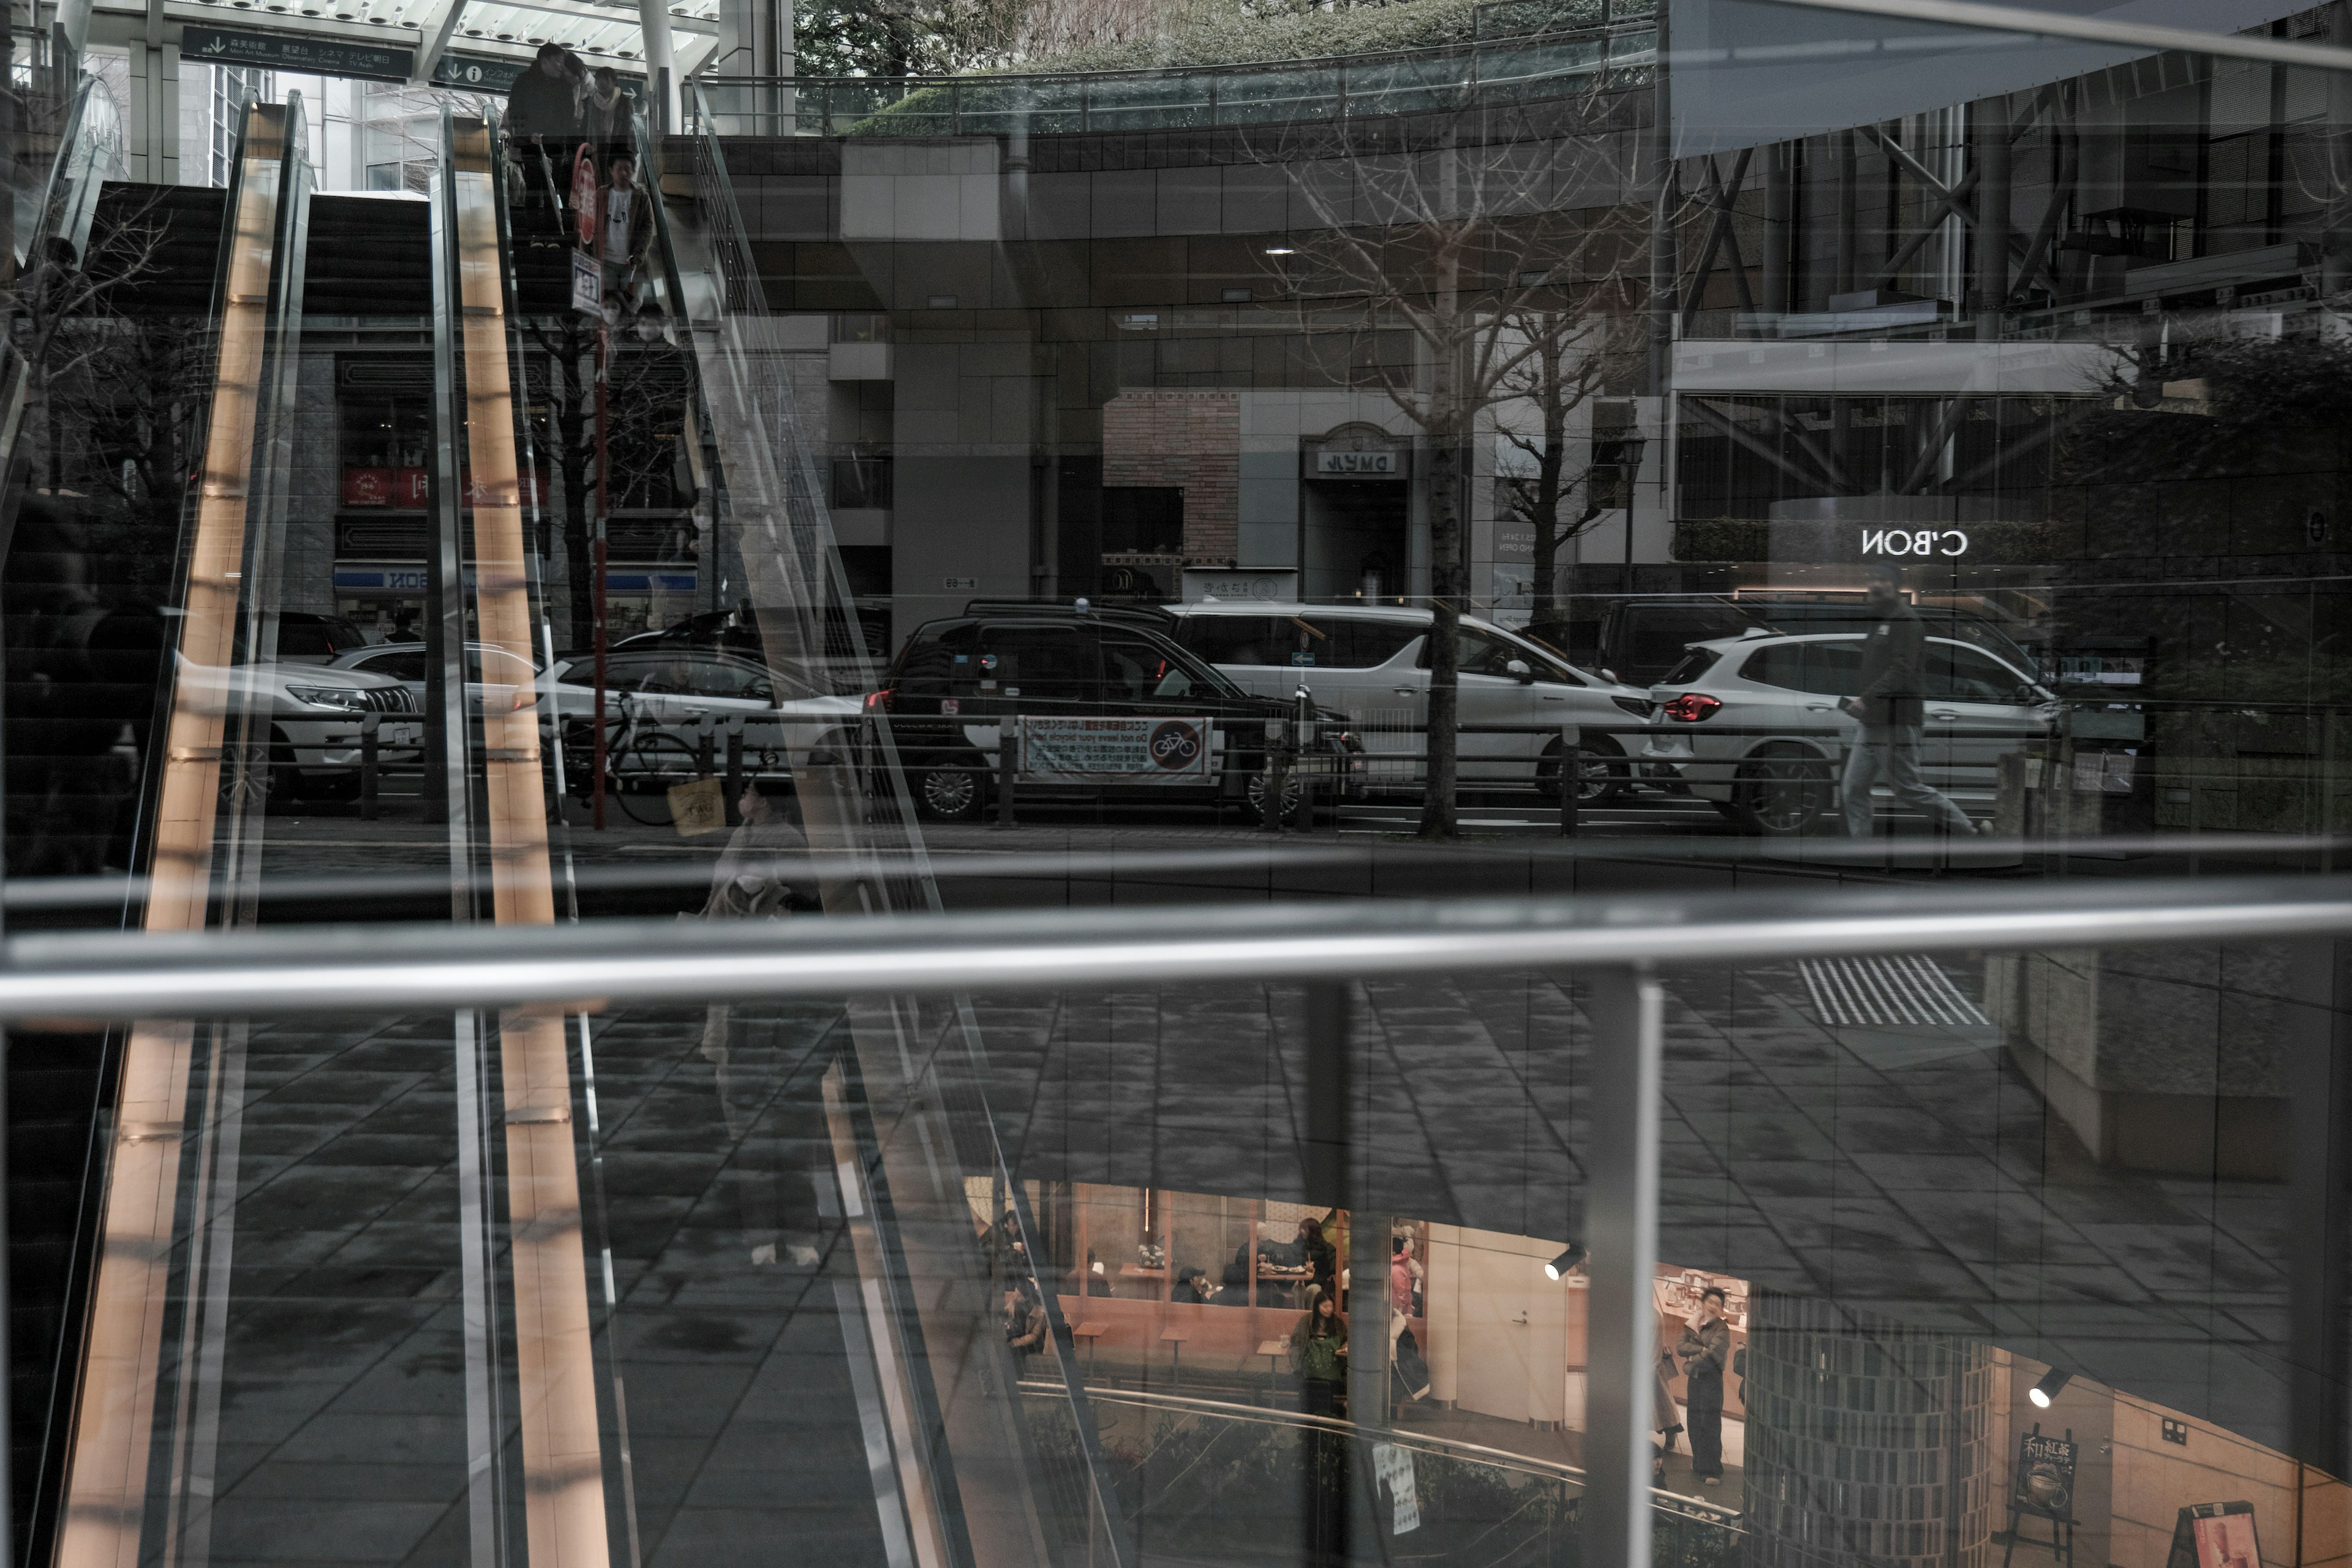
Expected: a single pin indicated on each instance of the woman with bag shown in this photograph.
(1319, 1355)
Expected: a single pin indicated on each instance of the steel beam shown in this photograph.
(1621, 1230)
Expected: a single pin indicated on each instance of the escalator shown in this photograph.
(534, 1287)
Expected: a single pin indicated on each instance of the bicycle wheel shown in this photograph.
(643, 773)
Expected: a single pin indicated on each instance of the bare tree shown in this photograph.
(1478, 226)
(641, 393)
(1581, 348)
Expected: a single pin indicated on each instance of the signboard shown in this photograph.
(310, 55)
(2043, 1482)
(1914, 541)
(1115, 751)
(493, 73)
(587, 284)
(2215, 1535)
(1393, 1466)
(1356, 465)
(1227, 584)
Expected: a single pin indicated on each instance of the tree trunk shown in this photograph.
(1440, 814)
(1544, 605)
(573, 449)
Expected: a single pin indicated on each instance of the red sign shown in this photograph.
(412, 487)
(367, 487)
(584, 205)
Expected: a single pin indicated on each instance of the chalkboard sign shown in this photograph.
(2043, 1482)
(2215, 1535)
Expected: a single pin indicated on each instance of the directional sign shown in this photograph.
(309, 55)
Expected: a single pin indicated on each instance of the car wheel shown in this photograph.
(1293, 797)
(644, 773)
(956, 793)
(1784, 791)
(255, 774)
(1600, 773)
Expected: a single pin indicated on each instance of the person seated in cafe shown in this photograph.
(1024, 1320)
(1191, 1288)
(1097, 1283)
(1322, 1258)
(1235, 1291)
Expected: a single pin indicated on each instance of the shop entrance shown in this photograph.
(1354, 539)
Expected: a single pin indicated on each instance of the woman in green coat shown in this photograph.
(1319, 1355)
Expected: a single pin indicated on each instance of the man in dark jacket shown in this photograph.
(543, 105)
(1890, 709)
(1706, 1350)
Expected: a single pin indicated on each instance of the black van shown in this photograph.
(957, 679)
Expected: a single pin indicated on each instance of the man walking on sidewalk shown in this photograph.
(1890, 709)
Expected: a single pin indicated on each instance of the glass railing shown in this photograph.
(1422, 81)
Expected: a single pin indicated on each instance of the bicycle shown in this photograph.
(643, 763)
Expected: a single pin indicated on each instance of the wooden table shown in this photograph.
(1174, 1338)
(1089, 1332)
(1273, 1351)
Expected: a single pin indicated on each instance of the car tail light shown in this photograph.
(1691, 707)
(878, 701)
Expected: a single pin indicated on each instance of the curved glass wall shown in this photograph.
(1750, 449)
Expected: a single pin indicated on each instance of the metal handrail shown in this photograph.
(409, 968)
(1700, 1509)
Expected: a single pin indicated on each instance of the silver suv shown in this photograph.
(1372, 662)
(1753, 724)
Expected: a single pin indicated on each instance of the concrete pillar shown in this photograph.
(1780, 226)
(661, 64)
(1848, 198)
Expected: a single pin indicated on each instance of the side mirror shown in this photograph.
(1518, 668)
(1610, 676)
(762, 692)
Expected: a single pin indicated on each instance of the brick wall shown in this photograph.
(1188, 440)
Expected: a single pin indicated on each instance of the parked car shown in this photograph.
(313, 748)
(1643, 638)
(1753, 723)
(404, 662)
(304, 637)
(1371, 663)
(677, 688)
(948, 692)
(737, 631)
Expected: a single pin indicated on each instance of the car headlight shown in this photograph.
(348, 699)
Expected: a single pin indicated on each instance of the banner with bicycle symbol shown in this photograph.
(1114, 751)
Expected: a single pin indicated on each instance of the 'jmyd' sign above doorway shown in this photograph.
(1358, 450)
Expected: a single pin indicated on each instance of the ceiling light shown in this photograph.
(2053, 1382)
(1280, 250)
(1558, 1266)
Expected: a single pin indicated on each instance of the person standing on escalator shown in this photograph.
(542, 121)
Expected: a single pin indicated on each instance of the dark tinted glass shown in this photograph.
(1055, 663)
(1956, 674)
(1238, 639)
(1832, 669)
(1696, 663)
